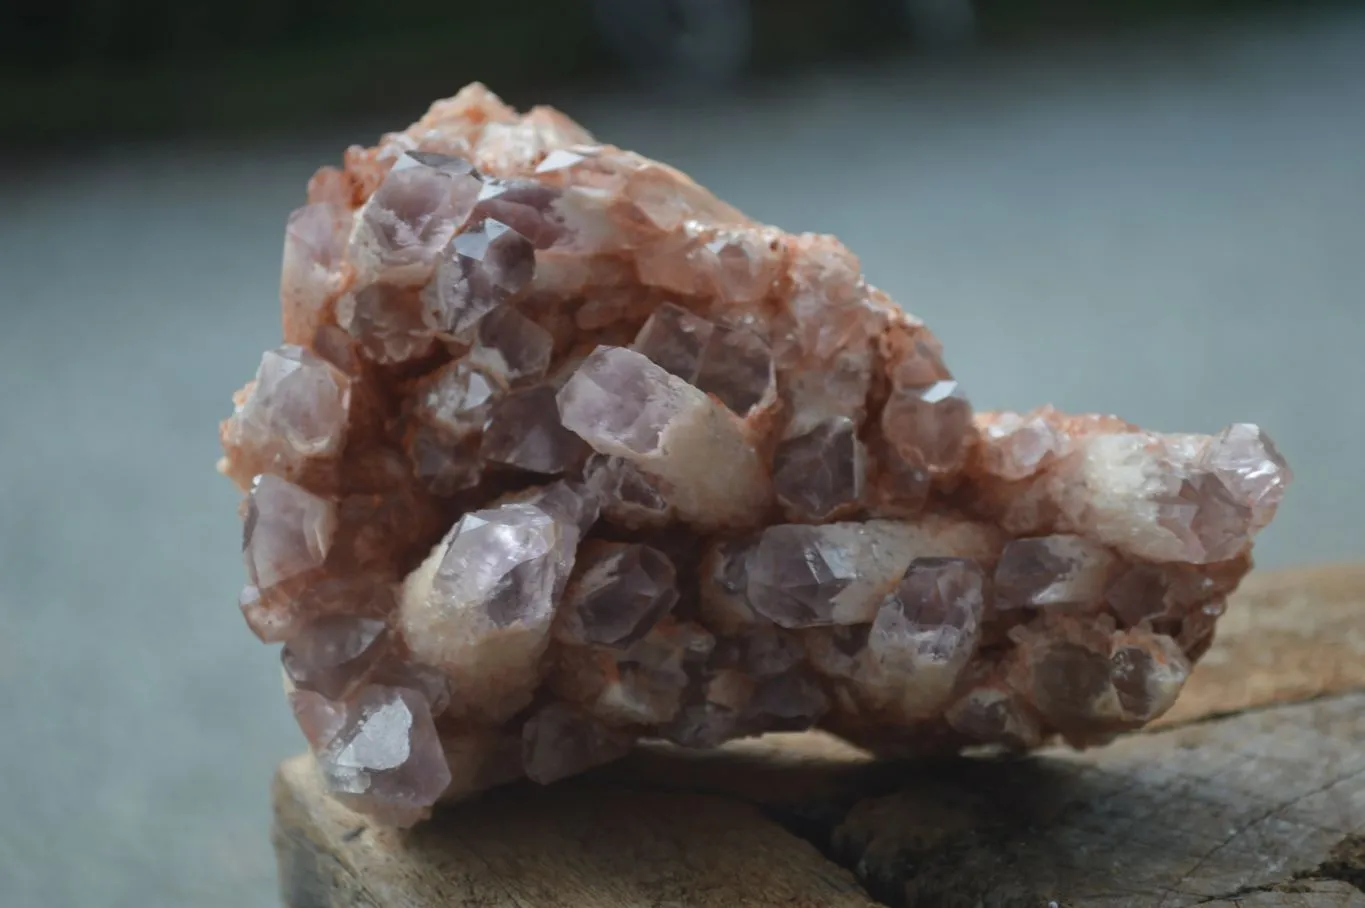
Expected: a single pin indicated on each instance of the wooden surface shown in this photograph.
(1250, 793)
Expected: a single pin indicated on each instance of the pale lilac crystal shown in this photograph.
(314, 248)
(732, 363)
(388, 321)
(527, 206)
(737, 367)
(412, 215)
(929, 425)
(622, 404)
(512, 347)
(1148, 671)
(483, 268)
(570, 503)
(931, 621)
(1137, 594)
(628, 496)
(621, 592)
(456, 398)
(524, 431)
(319, 718)
(797, 573)
(1072, 684)
(675, 339)
(287, 533)
(617, 399)
(505, 563)
(443, 463)
(1052, 570)
(450, 409)
(820, 471)
(387, 758)
(481, 606)
(1158, 498)
(335, 653)
(296, 412)
(1244, 458)
(560, 741)
(839, 573)
(1020, 446)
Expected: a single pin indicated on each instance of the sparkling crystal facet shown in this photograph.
(821, 471)
(620, 594)
(386, 758)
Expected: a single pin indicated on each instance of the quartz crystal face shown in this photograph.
(560, 451)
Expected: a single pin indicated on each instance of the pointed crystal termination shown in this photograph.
(512, 347)
(386, 758)
(293, 417)
(412, 215)
(926, 631)
(622, 404)
(821, 471)
(314, 251)
(482, 269)
(929, 425)
(1173, 498)
(285, 540)
(334, 654)
(524, 431)
(387, 321)
(733, 364)
(562, 452)
(620, 595)
(1052, 570)
(629, 497)
(480, 607)
(839, 573)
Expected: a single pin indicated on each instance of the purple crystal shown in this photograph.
(820, 471)
(297, 411)
(560, 741)
(511, 346)
(386, 759)
(931, 621)
(335, 653)
(388, 321)
(287, 534)
(1052, 570)
(621, 592)
(795, 575)
(527, 206)
(929, 425)
(482, 269)
(628, 496)
(412, 215)
(524, 431)
(675, 339)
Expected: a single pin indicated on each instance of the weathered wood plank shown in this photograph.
(573, 845)
(1167, 819)
(1252, 796)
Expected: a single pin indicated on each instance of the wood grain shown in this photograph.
(1252, 795)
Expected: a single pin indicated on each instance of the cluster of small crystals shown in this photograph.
(561, 452)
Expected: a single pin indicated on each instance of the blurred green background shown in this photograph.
(78, 69)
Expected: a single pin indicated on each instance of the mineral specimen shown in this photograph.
(561, 452)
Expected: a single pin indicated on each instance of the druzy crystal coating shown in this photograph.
(560, 452)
